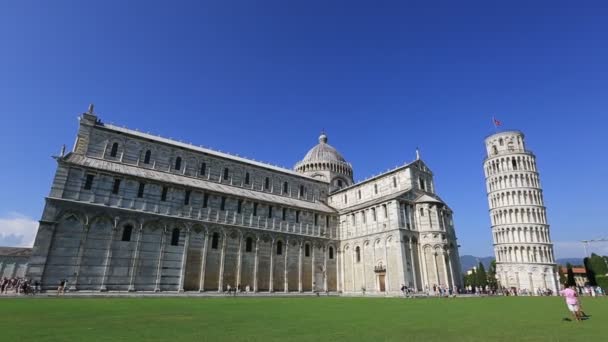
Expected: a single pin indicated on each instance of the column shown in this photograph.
(135, 259)
(201, 281)
(413, 261)
(239, 261)
(286, 286)
(106, 263)
(271, 285)
(454, 283)
(300, 267)
(159, 267)
(255, 265)
(312, 268)
(445, 269)
(425, 271)
(363, 264)
(340, 269)
(83, 241)
(434, 254)
(220, 282)
(402, 261)
(182, 277)
(325, 269)
(386, 278)
(352, 273)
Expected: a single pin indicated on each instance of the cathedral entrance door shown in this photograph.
(381, 282)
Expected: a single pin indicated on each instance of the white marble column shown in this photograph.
(286, 251)
(340, 269)
(108, 258)
(363, 264)
(387, 277)
(201, 281)
(255, 265)
(312, 268)
(425, 270)
(220, 283)
(454, 282)
(413, 261)
(135, 260)
(159, 267)
(272, 251)
(352, 273)
(434, 254)
(182, 276)
(402, 262)
(239, 261)
(445, 269)
(83, 241)
(300, 267)
(325, 269)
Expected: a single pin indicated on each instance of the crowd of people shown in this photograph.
(18, 286)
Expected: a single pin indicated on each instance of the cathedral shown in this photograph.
(130, 211)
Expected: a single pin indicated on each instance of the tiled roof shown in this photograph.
(15, 251)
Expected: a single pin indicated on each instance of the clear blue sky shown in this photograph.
(263, 78)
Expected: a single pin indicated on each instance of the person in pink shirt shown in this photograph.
(572, 301)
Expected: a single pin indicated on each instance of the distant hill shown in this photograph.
(573, 261)
(469, 261)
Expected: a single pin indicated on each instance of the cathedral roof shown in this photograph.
(182, 180)
(323, 152)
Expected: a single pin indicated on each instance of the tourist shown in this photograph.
(572, 301)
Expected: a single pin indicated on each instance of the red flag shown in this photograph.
(496, 122)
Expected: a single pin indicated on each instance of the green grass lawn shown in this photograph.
(298, 319)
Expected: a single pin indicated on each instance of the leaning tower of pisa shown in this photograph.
(522, 243)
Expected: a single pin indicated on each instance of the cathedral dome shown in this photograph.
(323, 161)
(323, 152)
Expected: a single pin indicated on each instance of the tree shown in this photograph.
(562, 276)
(482, 277)
(570, 275)
(492, 282)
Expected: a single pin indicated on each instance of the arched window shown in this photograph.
(175, 237)
(279, 248)
(514, 163)
(147, 157)
(306, 250)
(358, 254)
(178, 163)
(331, 252)
(285, 188)
(246, 177)
(267, 183)
(249, 245)
(494, 149)
(214, 240)
(501, 142)
(126, 232)
(114, 150)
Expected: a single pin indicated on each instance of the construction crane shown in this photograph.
(587, 242)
